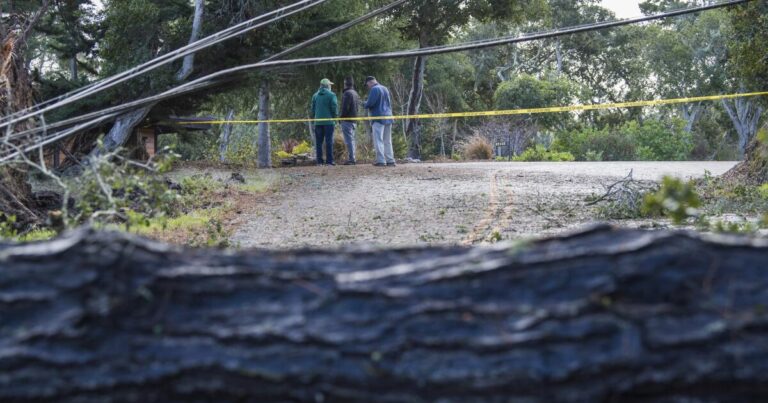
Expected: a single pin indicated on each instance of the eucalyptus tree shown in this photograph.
(687, 59)
(432, 22)
(749, 55)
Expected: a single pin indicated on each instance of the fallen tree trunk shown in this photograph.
(603, 315)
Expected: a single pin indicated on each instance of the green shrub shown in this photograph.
(106, 190)
(609, 145)
(660, 141)
(592, 155)
(675, 199)
(540, 153)
(526, 91)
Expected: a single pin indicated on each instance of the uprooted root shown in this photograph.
(622, 199)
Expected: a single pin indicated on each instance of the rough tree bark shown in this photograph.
(122, 129)
(265, 141)
(603, 315)
(197, 24)
(16, 94)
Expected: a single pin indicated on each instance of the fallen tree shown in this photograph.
(602, 315)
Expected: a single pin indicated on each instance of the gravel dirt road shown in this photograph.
(446, 203)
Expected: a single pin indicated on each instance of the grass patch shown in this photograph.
(41, 234)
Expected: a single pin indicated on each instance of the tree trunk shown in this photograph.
(265, 142)
(455, 133)
(745, 115)
(604, 315)
(691, 115)
(16, 94)
(412, 127)
(197, 24)
(226, 130)
(122, 129)
(73, 69)
(124, 124)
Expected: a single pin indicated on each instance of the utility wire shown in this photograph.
(223, 76)
(159, 61)
(202, 83)
(334, 31)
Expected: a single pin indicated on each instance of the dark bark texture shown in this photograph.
(602, 315)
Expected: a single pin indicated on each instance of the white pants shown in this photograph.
(382, 143)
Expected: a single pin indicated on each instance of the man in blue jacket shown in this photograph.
(379, 103)
(324, 106)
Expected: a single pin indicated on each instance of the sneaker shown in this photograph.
(331, 164)
(350, 163)
(391, 164)
(379, 164)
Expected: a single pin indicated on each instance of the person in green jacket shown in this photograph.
(324, 106)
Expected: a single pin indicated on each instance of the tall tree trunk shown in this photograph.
(16, 94)
(122, 129)
(559, 55)
(455, 132)
(73, 69)
(126, 123)
(265, 141)
(745, 115)
(691, 114)
(601, 316)
(412, 128)
(226, 130)
(197, 24)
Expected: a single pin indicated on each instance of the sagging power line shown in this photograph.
(225, 75)
(159, 61)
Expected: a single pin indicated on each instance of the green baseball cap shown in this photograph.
(326, 81)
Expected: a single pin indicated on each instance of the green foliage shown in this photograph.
(610, 145)
(214, 235)
(110, 190)
(749, 48)
(526, 92)
(191, 146)
(592, 155)
(540, 153)
(653, 140)
(303, 148)
(8, 229)
(194, 188)
(725, 197)
(660, 141)
(242, 151)
(675, 199)
(137, 31)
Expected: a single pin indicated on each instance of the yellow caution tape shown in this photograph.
(554, 109)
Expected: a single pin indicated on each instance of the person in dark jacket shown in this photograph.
(380, 105)
(349, 103)
(324, 106)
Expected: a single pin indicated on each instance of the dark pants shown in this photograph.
(324, 133)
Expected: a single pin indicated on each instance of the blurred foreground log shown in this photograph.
(602, 315)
